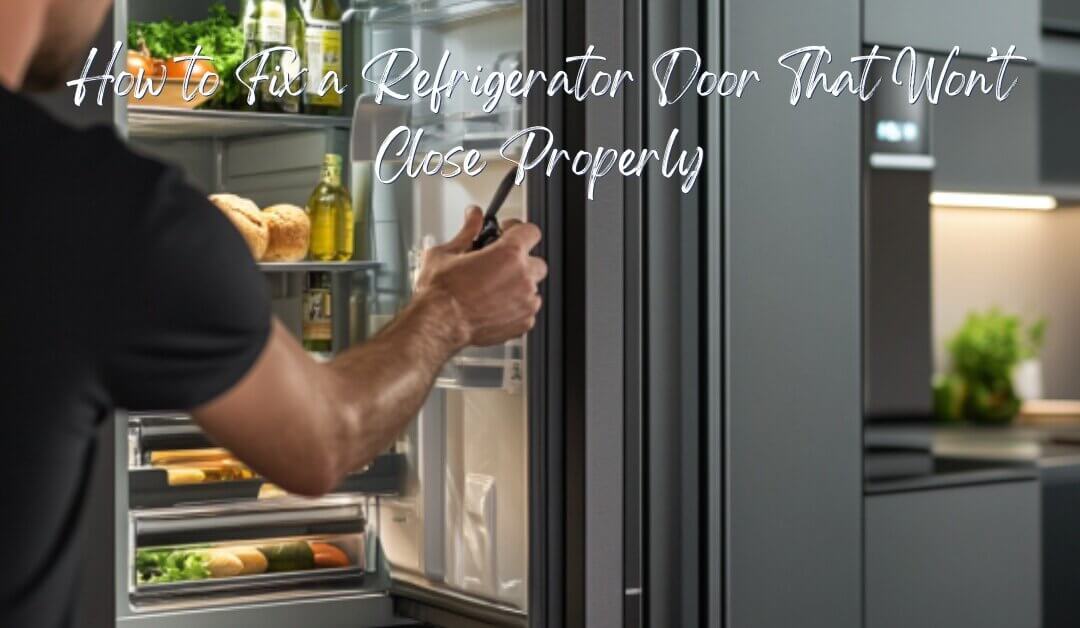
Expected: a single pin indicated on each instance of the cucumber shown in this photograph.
(288, 556)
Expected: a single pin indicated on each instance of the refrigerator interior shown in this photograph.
(447, 509)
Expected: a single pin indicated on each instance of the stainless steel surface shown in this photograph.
(793, 447)
(242, 583)
(266, 512)
(167, 123)
(341, 610)
(431, 11)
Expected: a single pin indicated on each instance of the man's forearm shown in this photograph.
(305, 425)
(382, 384)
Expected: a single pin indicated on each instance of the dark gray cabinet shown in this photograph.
(1059, 135)
(974, 25)
(983, 145)
(960, 557)
(1061, 15)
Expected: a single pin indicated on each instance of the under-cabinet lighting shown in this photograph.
(1040, 202)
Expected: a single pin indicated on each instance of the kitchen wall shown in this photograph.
(1024, 262)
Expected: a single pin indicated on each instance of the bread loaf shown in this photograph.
(247, 218)
(290, 233)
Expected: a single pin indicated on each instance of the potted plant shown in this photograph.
(985, 354)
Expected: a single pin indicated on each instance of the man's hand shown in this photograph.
(493, 291)
(305, 425)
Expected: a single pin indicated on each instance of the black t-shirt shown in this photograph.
(123, 288)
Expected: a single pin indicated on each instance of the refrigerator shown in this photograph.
(679, 426)
(442, 528)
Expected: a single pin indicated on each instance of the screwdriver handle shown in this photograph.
(491, 231)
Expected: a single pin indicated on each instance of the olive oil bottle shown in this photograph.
(323, 52)
(332, 218)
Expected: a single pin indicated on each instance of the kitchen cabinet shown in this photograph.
(1059, 135)
(954, 557)
(983, 145)
(1061, 16)
(1061, 544)
(938, 25)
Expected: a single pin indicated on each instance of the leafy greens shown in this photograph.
(219, 34)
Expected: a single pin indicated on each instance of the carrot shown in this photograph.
(327, 555)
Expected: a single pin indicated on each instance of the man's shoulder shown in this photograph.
(33, 142)
(51, 165)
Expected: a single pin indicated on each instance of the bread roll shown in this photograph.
(224, 564)
(247, 218)
(290, 233)
(253, 559)
(180, 476)
(178, 456)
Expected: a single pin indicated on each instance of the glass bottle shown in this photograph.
(317, 316)
(249, 21)
(293, 63)
(271, 32)
(323, 52)
(332, 218)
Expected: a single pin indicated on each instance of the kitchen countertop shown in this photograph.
(968, 454)
(1038, 446)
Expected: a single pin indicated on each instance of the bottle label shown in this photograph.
(331, 173)
(324, 51)
(272, 23)
(317, 316)
(291, 66)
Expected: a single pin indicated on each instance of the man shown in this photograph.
(142, 295)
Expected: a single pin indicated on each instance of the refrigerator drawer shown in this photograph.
(172, 462)
(290, 543)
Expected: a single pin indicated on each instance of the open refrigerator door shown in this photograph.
(458, 535)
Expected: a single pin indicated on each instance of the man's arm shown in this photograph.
(304, 425)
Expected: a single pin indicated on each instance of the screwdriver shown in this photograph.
(491, 230)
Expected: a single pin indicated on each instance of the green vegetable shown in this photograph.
(162, 565)
(220, 36)
(984, 353)
(290, 556)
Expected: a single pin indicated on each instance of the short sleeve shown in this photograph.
(192, 310)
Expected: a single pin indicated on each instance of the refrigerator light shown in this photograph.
(1040, 202)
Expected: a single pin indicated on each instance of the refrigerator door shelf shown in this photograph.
(498, 367)
(473, 130)
(165, 123)
(430, 11)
